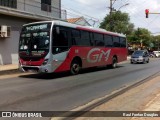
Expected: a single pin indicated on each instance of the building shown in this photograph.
(15, 13)
(79, 21)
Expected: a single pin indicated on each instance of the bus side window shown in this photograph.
(123, 42)
(85, 38)
(116, 41)
(98, 38)
(92, 39)
(60, 40)
(108, 41)
(63, 39)
(76, 37)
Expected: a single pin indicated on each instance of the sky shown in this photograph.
(96, 10)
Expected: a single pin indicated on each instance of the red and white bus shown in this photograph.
(56, 46)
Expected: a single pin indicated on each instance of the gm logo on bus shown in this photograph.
(96, 54)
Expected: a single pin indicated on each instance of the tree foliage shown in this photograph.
(142, 35)
(155, 40)
(118, 22)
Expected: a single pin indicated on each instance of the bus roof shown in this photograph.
(87, 28)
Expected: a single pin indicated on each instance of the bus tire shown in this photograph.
(75, 67)
(114, 62)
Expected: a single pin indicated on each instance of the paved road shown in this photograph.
(63, 92)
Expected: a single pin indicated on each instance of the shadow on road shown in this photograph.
(50, 76)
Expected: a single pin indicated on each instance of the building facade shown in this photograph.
(15, 13)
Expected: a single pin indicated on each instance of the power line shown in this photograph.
(152, 21)
(80, 13)
(86, 5)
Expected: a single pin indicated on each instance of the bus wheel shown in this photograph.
(114, 62)
(75, 67)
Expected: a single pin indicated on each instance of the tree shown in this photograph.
(118, 22)
(141, 37)
(156, 42)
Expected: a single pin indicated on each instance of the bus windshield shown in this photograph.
(35, 37)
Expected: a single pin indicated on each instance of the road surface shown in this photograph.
(64, 92)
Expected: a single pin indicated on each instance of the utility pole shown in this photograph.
(111, 9)
(110, 13)
(111, 5)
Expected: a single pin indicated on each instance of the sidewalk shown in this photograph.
(5, 69)
(145, 97)
(128, 57)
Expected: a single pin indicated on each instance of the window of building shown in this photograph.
(46, 5)
(9, 3)
(108, 41)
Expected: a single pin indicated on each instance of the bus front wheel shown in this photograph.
(75, 67)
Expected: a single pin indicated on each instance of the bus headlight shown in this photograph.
(45, 62)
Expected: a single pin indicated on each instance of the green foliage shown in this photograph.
(118, 22)
(142, 35)
(156, 42)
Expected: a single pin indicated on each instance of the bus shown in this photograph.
(56, 46)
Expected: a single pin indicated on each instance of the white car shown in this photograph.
(156, 53)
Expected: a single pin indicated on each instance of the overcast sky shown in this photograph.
(98, 9)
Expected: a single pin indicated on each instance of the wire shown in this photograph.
(150, 23)
(81, 13)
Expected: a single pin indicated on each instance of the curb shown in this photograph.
(11, 71)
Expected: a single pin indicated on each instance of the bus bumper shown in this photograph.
(36, 69)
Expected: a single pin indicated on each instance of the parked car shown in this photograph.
(156, 53)
(140, 56)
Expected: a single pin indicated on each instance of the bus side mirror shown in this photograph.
(57, 30)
